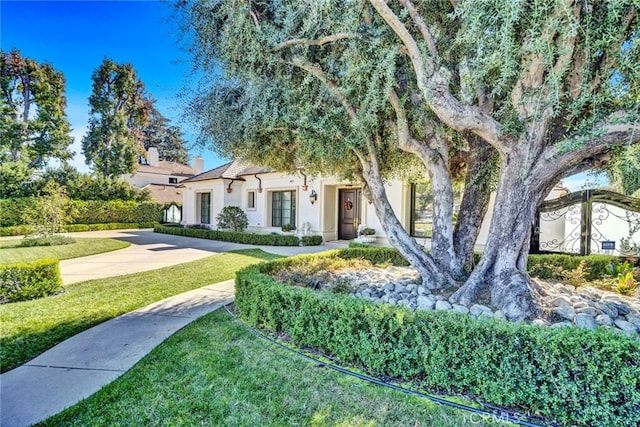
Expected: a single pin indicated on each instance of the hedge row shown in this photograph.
(570, 375)
(25, 281)
(89, 212)
(238, 237)
(551, 266)
(21, 230)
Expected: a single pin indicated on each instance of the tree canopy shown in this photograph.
(504, 95)
(119, 113)
(167, 138)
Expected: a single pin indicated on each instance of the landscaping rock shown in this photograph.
(460, 308)
(561, 301)
(499, 315)
(566, 312)
(585, 321)
(426, 303)
(477, 310)
(604, 320)
(625, 326)
(443, 305)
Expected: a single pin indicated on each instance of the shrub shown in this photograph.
(311, 240)
(53, 240)
(556, 266)
(232, 218)
(232, 236)
(288, 227)
(573, 376)
(25, 281)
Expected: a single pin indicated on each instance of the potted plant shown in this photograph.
(366, 235)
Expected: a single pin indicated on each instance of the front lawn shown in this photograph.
(215, 372)
(29, 328)
(11, 251)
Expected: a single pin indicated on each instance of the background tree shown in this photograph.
(119, 113)
(50, 212)
(33, 122)
(545, 88)
(624, 170)
(168, 139)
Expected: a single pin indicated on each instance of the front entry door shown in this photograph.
(348, 213)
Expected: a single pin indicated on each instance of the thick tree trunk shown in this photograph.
(502, 269)
(475, 200)
(433, 277)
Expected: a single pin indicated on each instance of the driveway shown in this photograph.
(150, 251)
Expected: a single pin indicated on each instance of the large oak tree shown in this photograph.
(528, 91)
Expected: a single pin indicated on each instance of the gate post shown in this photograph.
(585, 223)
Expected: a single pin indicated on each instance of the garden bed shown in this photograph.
(569, 375)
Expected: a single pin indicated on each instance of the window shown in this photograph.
(205, 208)
(173, 180)
(251, 199)
(283, 208)
(422, 209)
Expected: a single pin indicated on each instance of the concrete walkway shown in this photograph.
(83, 364)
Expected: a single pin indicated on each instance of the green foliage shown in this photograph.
(33, 122)
(233, 218)
(288, 227)
(25, 281)
(119, 113)
(168, 139)
(51, 212)
(117, 211)
(624, 169)
(569, 375)
(51, 240)
(557, 266)
(232, 236)
(311, 240)
(88, 212)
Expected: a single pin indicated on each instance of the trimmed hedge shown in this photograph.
(89, 212)
(571, 375)
(28, 280)
(549, 266)
(21, 230)
(232, 236)
(311, 240)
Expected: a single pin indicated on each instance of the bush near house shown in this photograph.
(570, 375)
(232, 236)
(311, 240)
(89, 212)
(29, 280)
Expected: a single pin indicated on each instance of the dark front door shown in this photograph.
(348, 213)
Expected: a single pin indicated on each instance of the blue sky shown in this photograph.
(75, 36)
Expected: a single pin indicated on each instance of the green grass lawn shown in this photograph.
(215, 372)
(29, 328)
(11, 251)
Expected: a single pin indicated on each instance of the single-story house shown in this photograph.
(324, 206)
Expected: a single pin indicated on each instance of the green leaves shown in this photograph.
(119, 114)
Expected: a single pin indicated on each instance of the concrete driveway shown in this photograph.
(150, 251)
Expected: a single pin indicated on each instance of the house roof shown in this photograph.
(231, 170)
(165, 193)
(166, 168)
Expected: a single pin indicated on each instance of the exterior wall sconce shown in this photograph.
(259, 183)
(229, 189)
(313, 197)
(305, 187)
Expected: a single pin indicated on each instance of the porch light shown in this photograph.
(313, 197)
(305, 187)
(229, 189)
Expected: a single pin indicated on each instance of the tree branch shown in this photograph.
(434, 87)
(315, 42)
(422, 26)
(554, 161)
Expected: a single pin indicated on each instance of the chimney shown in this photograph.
(152, 157)
(198, 165)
